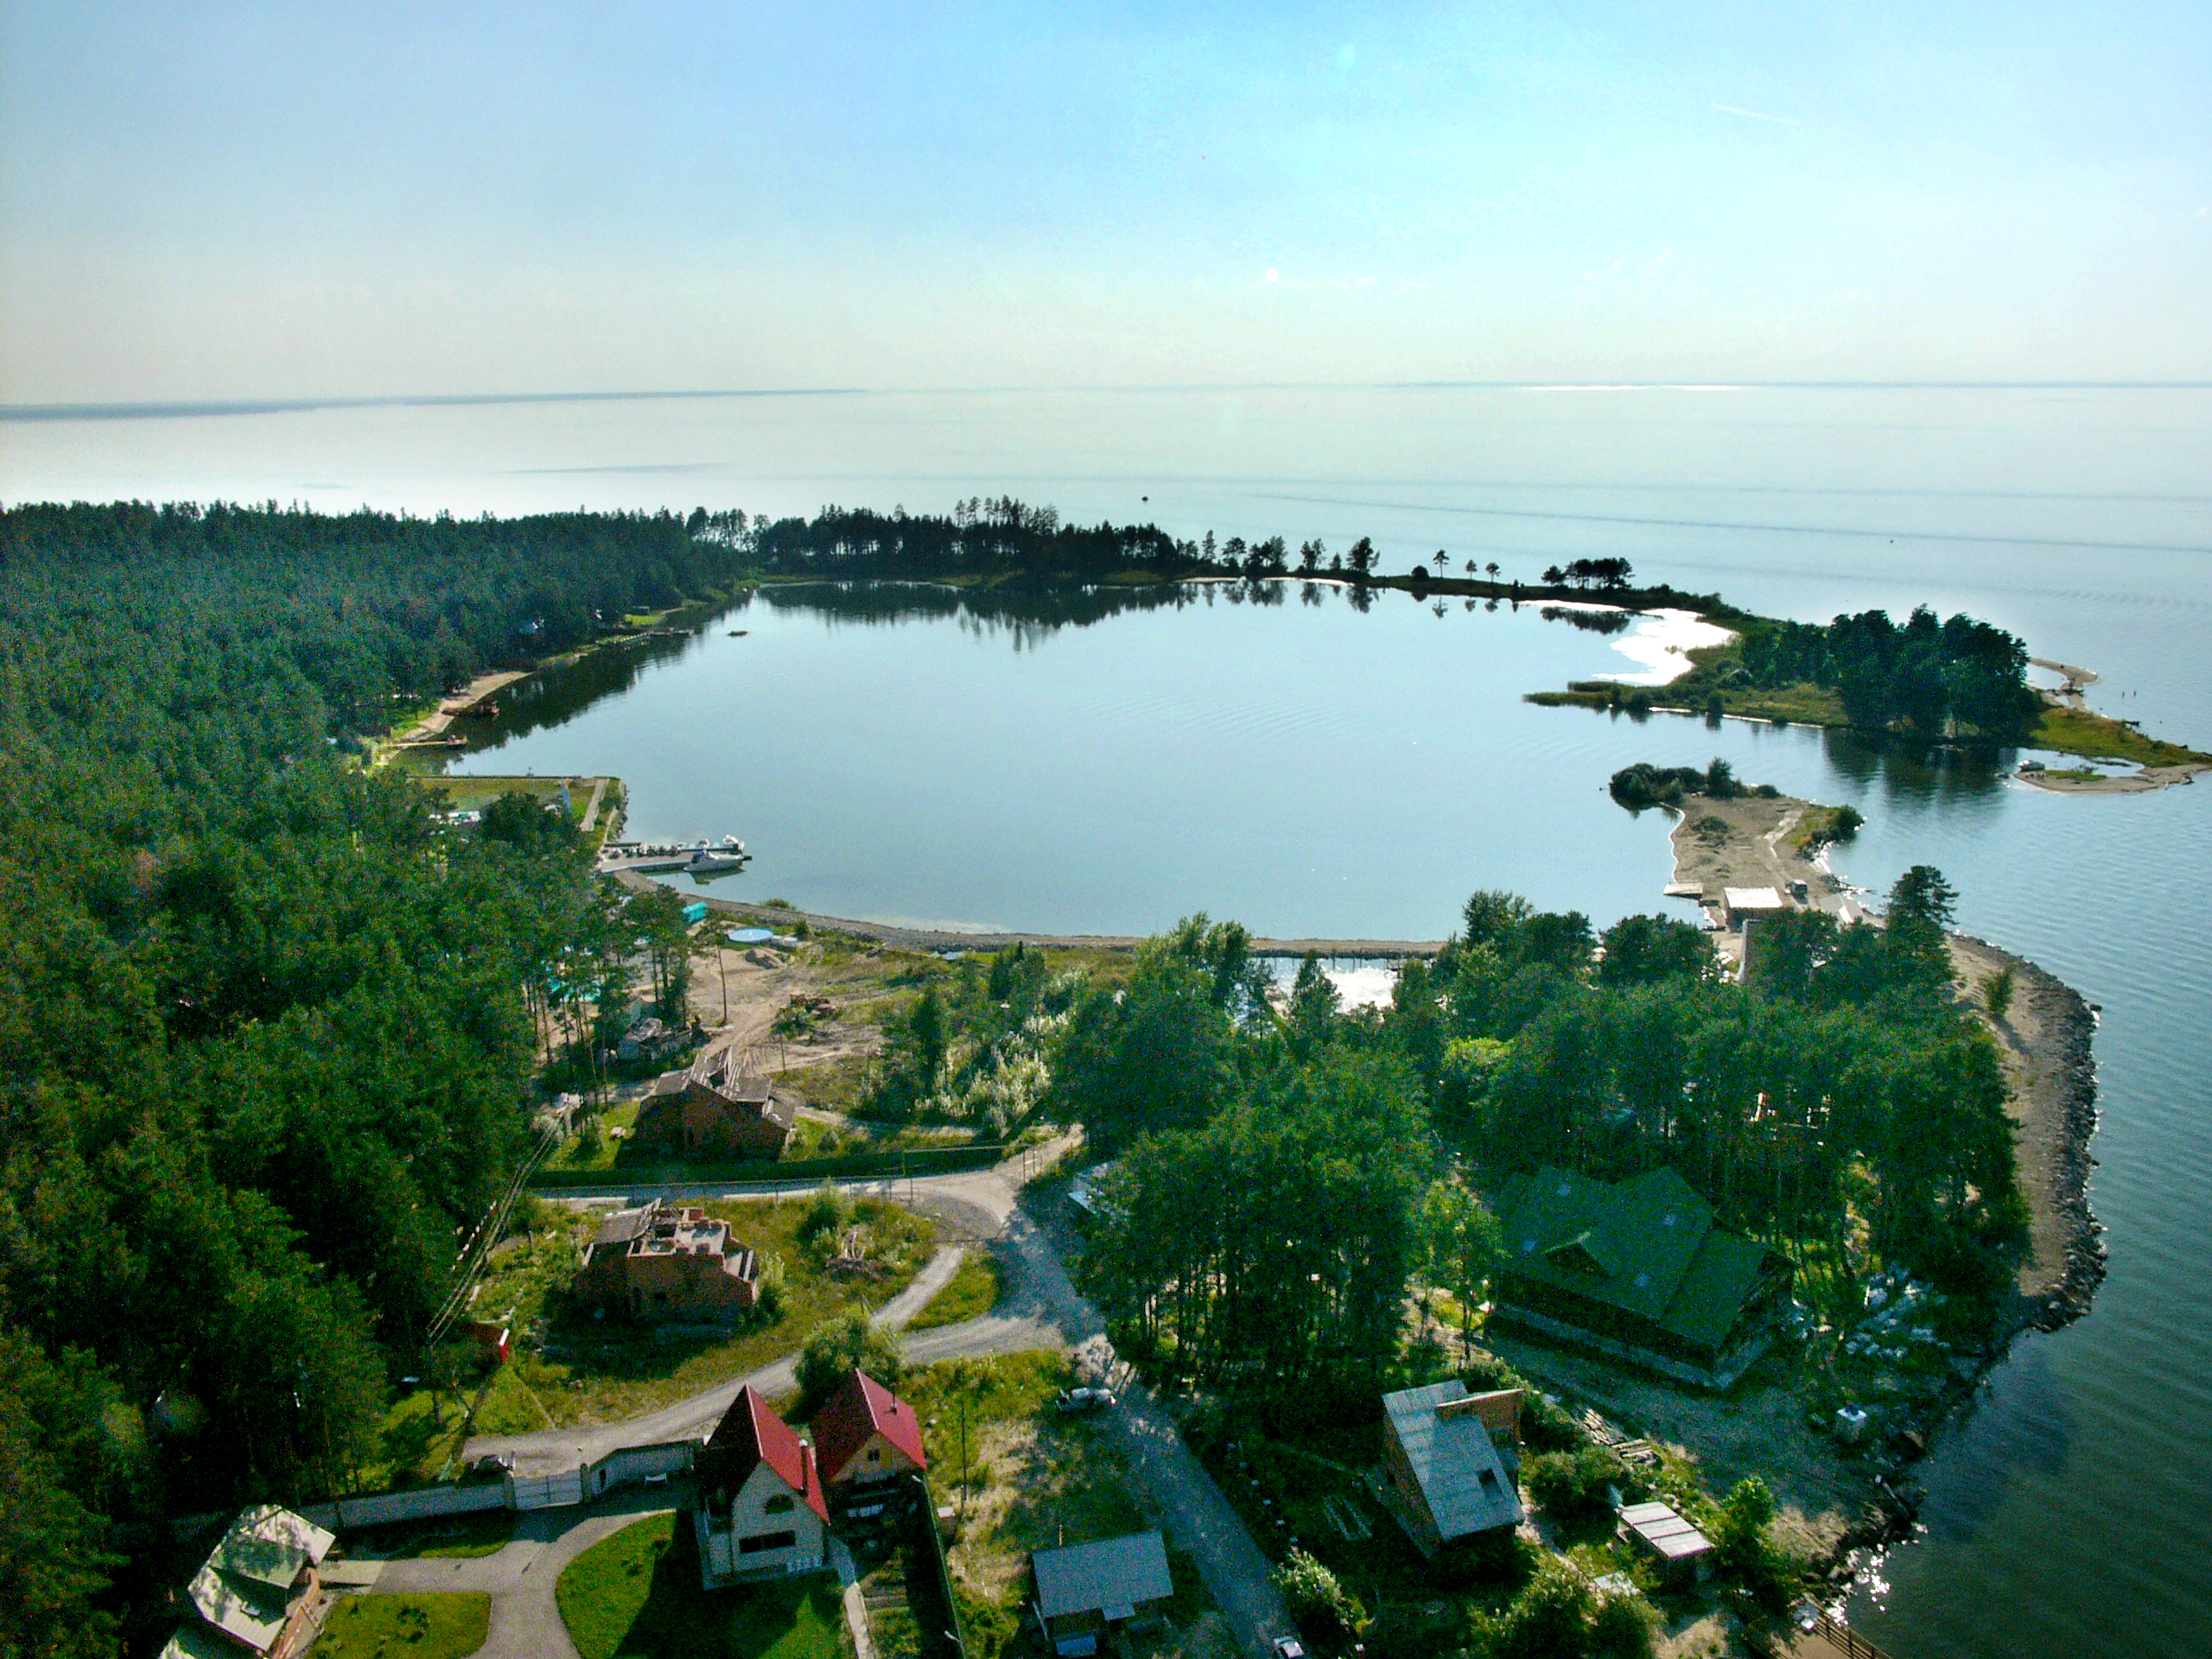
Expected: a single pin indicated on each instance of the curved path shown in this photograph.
(1039, 1308)
(519, 1577)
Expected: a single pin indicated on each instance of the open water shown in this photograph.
(1312, 768)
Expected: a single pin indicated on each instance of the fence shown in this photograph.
(937, 1616)
(427, 1504)
(624, 1466)
(798, 1172)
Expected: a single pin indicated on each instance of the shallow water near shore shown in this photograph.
(1313, 770)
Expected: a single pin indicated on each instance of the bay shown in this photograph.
(1314, 769)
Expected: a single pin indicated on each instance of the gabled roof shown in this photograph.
(1109, 1577)
(750, 1434)
(1454, 1460)
(860, 1408)
(245, 1586)
(1646, 1245)
(196, 1642)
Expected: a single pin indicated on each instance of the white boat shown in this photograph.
(705, 859)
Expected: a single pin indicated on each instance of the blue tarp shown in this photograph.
(693, 913)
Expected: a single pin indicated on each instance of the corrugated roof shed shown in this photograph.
(1109, 1577)
(1664, 1531)
(1462, 1477)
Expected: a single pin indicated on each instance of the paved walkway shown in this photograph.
(1040, 1308)
(520, 1577)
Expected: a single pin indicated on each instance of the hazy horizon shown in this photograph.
(251, 204)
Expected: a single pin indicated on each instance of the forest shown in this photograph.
(1934, 679)
(268, 1027)
(1288, 1170)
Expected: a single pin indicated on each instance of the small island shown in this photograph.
(1953, 681)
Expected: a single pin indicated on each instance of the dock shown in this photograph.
(1826, 1638)
(630, 858)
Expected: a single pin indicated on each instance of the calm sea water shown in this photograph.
(1309, 768)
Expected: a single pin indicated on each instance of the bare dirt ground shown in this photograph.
(1758, 1429)
(2141, 781)
(1745, 843)
(760, 983)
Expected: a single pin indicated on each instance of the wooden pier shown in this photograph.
(1828, 1639)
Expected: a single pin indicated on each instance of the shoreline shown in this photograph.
(898, 936)
(2044, 1043)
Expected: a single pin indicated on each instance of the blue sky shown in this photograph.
(211, 200)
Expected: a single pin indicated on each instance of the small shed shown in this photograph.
(1679, 1548)
(1085, 1589)
(1748, 904)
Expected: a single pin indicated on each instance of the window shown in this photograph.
(780, 1504)
(765, 1540)
(874, 1456)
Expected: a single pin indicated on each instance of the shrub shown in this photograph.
(826, 1216)
(1312, 1593)
(1573, 1482)
(841, 1344)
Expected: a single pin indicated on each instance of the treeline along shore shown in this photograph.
(273, 1027)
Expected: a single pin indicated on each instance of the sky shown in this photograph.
(218, 201)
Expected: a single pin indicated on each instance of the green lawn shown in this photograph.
(404, 1627)
(637, 1596)
(973, 1291)
(597, 1371)
(2075, 731)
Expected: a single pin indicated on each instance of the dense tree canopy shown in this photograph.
(267, 1023)
(1934, 679)
(1288, 1169)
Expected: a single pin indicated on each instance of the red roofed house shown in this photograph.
(761, 1509)
(865, 1433)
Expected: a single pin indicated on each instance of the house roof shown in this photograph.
(860, 1408)
(1658, 1526)
(243, 1587)
(750, 1434)
(723, 1073)
(1646, 1245)
(624, 1225)
(1453, 1459)
(196, 1642)
(1109, 1577)
(1754, 898)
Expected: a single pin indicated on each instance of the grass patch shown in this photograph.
(636, 1595)
(593, 1371)
(2096, 737)
(461, 1537)
(973, 1292)
(444, 1626)
(583, 1151)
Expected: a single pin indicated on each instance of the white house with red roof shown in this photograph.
(761, 1509)
(865, 1433)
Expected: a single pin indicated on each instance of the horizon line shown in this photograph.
(189, 408)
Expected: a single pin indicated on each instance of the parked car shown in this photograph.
(1288, 1647)
(492, 1463)
(1077, 1400)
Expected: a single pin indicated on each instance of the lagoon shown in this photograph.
(1310, 769)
